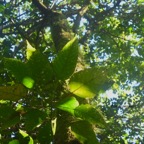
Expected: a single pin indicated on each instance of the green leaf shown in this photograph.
(89, 82)
(140, 1)
(8, 116)
(83, 131)
(5, 112)
(88, 113)
(13, 93)
(65, 62)
(29, 51)
(34, 118)
(14, 142)
(17, 68)
(11, 121)
(45, 133)
(68, 104)
(40, 67)
(24, 134)
(2, 8)
(28, 82)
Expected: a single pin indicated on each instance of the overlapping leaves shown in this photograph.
(86, 84)
(37, 68)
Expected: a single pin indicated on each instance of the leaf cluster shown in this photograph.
(56, 84)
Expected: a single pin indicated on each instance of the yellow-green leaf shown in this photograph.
(68, 104)
(89, 82)
(13, 93)
(28, 82)
(29, 50)
(24, 134)
(14, 142)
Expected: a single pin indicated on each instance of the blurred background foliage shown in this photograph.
(111, 35)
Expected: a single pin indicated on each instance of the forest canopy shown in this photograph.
(71, 72)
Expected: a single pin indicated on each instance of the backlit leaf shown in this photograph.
(14, 142)
(28, 82)
(68, 104)
(24, 134)
(29, 50)
(89, 82)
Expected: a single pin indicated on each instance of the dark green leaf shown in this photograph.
(65, 62)
(8, 116)
(17, 68)
(33, 118)
(11, 121)
(40, 67)
(83, 131)
(87, 112)
(45, 133)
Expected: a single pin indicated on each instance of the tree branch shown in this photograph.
(78, 18)
(42, 8)
(60, 29)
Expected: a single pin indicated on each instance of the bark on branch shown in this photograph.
(61, 34)
(60, 29)
(42, 8)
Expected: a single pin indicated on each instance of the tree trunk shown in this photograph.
(63, 133)
(61, 34)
